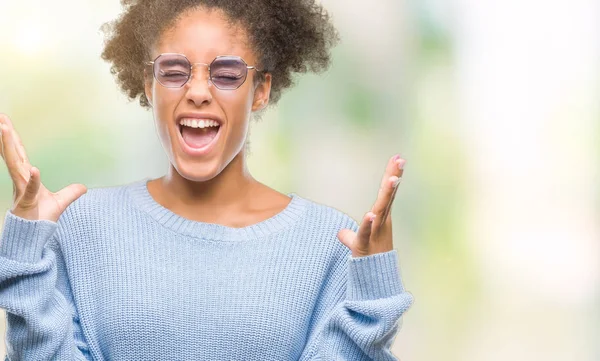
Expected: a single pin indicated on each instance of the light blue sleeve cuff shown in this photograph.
(23, 240)
(374, 276)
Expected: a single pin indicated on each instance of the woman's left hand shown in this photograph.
(375, 231)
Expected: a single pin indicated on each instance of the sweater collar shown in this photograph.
(143, 199)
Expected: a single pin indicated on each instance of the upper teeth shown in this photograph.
(199, 123)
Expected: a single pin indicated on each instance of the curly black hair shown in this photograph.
(288, 36)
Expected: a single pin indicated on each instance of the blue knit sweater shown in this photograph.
(120, 277)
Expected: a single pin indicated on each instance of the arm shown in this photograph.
(359, 311)
(42, 321)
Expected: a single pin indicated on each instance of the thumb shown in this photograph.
(70, 193)
(347, 236)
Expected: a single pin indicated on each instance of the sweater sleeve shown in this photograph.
(359, 311)
(42, 321)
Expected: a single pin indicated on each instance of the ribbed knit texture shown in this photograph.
(120, 277)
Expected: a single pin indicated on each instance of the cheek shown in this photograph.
(165, 103)
(236, 104)
(165, 99)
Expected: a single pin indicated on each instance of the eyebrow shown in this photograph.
(171, 62)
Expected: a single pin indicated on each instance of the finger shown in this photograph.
(31, 190)
(11, 158)
(364, 231)
(347, 237)
(394, 182)
(386, 189)
(18, 143)
(69, 194)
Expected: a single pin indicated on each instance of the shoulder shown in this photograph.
(320, 226)
(326, 218)
(97, 205)
(99, 198)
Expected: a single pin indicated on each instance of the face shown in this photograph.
(201, 36)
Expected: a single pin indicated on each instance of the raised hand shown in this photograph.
(31, 200)
(375, 231)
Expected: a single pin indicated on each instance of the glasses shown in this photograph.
(174, 70)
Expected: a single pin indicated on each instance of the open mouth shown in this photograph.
(198, 134)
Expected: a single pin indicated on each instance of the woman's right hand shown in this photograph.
(31, 200)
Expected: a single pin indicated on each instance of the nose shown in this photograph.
(198, 87)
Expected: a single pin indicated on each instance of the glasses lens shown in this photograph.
(228, 72)
(172, 70)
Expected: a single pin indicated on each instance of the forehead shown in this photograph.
(203, 34)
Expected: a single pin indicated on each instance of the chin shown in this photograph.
(198, 172)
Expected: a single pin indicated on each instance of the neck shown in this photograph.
(222, 194)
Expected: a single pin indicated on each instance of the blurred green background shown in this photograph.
(493, 104)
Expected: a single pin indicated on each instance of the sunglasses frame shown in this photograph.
(192, 65)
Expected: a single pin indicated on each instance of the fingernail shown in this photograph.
(396, 157)
(372, 217)
(401, 163)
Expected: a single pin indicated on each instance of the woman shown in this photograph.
(204, 263)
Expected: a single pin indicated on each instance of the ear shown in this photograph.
(261, 93)
(148, 86)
